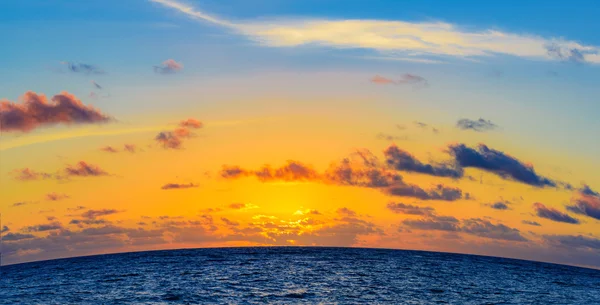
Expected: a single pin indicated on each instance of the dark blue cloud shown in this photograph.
(498, 163)
(83, 68)
(531, 223)
(402, 160)
(588, 203)
(553, 214)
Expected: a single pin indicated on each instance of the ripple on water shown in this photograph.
(296, 275)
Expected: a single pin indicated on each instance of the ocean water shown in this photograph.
(296, 275)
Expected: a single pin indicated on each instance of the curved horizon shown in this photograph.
(289, 246)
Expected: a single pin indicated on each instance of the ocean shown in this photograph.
(296, 275)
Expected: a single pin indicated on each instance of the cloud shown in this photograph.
(27, 174)
(388, 137)
(169, 66)
(291, 171)
(92, 221)
(126, 147)
(401, 208)
(565, 54)
(130, 148)
(553, 214)
(498, 163)
(96, 85)
(402, 160)
(242, 206)
(16, 236)
(348, 172)
(399, 39)
(230, 222)
(56, 197)
(439, 192)
(364, 173)
(307, 212)
(473, 226)
(77, 208)
(426, 126)
(83, 68)
(346, 212)
(4, 229)
(438, 223)
(232, 172)
(499, 205)
(531, 223)
(586, 190)
(484, 228)
(84, 169)
(169, 140)
(18, 204)
(91, 214)
(174, 139)
(412, 79)
(36, 111)
(171, 186)
(380, 80)
(191, 123)
(44, 227)
(587, 203)
(480, 125)
(571, 241)
(109, 149)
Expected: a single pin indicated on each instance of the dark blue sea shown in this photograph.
(296, 275)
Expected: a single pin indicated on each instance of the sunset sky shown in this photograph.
(462, 127)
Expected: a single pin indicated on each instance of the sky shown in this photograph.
(468, 127)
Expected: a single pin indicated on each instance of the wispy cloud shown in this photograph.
(172, 186)
(380, 80)
(398, 38)
(82, 68)
(553, 214)
(96, 85)
(56, 196)
(480, 125)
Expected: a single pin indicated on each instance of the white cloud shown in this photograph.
(393, 37)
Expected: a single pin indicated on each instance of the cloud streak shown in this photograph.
(480, 125)
(398, 38)
(83, 68)
(553, 214)
(173, 186)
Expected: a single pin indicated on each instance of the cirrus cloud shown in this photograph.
(399, 39)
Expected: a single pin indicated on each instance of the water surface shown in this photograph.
(290, 275)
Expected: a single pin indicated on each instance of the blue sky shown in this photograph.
(125, 38)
